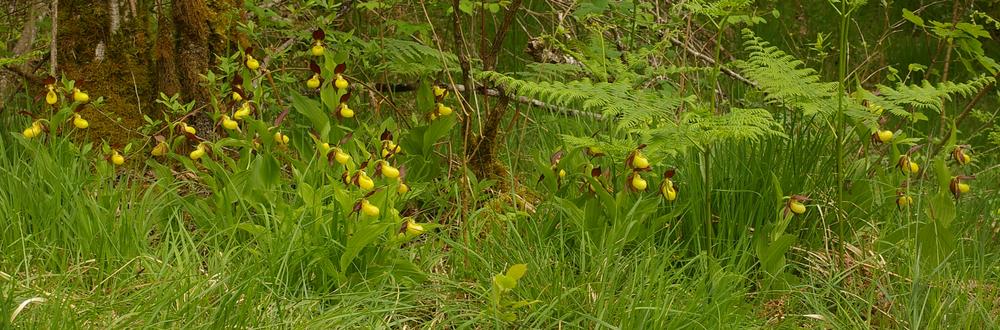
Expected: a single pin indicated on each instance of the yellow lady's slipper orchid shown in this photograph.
(884, 136)
(365, 182)
(340, 156)
(317, 49)
(638, 183)
(80, 96)
(188, 129)
(413, 228)
(389, 171)
(960, 156)
(313, 82)
(243, 112)
(229, 123)
(345, 111)
(444, 110)
(32, 131)
(160, 149)
(903, 201)
(252, 63)
(439, 92)
(797, 207)
(341, 83)
(639, 161)
(79, 122)
(668, 191)
(280, 138)
(368, 209)
(51, 97)
(198, 152)
(117, 158)
(907, 165)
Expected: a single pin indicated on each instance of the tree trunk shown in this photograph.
(104, 49)
(482, 156)
(8, 80)
(109, 49)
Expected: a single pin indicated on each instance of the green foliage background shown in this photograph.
(743, 108)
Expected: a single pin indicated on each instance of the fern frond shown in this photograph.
(5, 61)
(634, 107)
(927, 96)
(616, 148)
(697, 129)
(409, 59)
(786, 80)
(551, 71)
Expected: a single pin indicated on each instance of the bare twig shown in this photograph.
(345, 7)
(460, 88)
(490, 58)
(966, 111)
(537, 103)
(711, 61)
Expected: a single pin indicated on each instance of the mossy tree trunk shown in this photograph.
(482, 149)
(128, 51)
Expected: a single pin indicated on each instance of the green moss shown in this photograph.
(127, 77)
(122, 77)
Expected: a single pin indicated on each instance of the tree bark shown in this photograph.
(107, 47)
(482, 154)
(24, 44)
(104, 50)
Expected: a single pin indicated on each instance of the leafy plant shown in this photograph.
(503, 284)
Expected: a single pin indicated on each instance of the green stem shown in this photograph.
(706, 157)
(841, 90)
(707, 176)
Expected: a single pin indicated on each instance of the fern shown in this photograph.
(702, 128)
(634, 107)
(551, 71)
(6, 61)
(927, 96)
(785, 80)
(409, 59)
(616, 148)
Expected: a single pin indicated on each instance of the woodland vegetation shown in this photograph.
(617, 164)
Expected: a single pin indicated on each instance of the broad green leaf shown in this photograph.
(253, 229)
(773, 259)
(974, 30)
(361, 238)
(504, 283)
(266, 170)
(424, 97)
(311, 109)
(916, 67)
(517, 271)
(913, 18)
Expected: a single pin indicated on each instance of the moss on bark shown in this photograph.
(129, 68)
